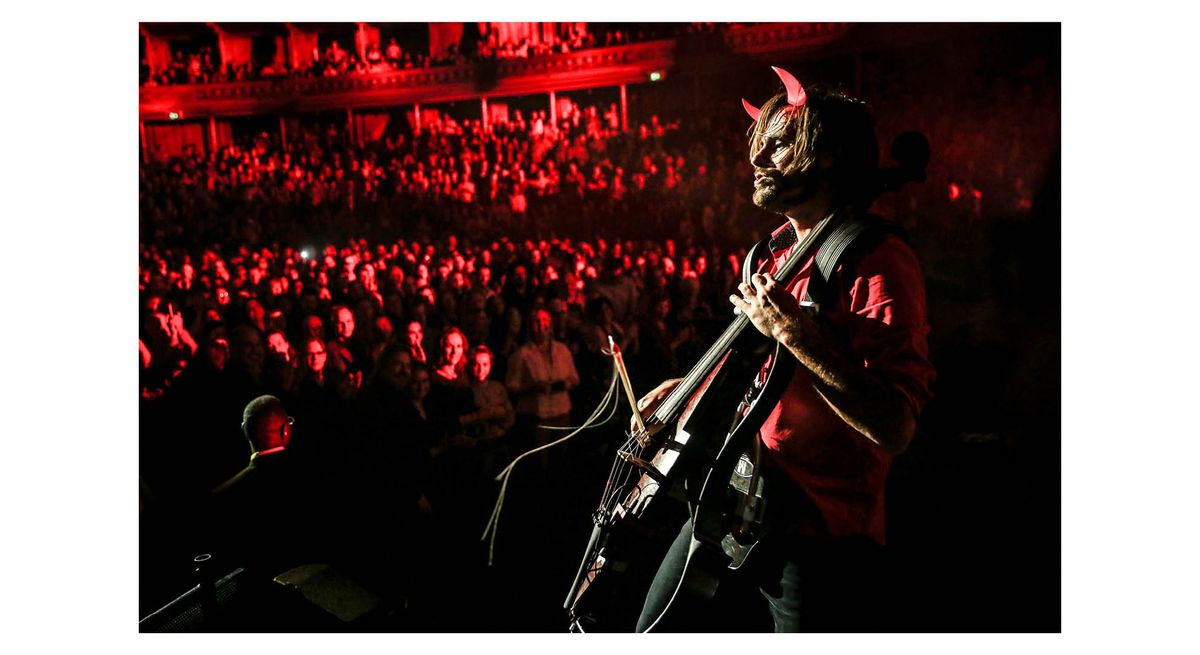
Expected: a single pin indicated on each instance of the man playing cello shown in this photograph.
(862, 378)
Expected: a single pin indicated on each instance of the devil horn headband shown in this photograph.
(751, 109)
(796, 96)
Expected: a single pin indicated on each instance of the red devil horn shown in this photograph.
(751, 109)
(796, 95)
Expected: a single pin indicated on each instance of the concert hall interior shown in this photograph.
(423, 242)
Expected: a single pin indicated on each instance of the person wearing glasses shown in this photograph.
(266, 521)
(260, 516)
(315, 356)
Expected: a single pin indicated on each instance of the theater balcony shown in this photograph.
(585, 69)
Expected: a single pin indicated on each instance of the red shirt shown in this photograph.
(878, 308)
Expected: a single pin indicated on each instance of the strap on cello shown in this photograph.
(855, 231)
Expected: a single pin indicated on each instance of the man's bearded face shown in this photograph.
(773, 154)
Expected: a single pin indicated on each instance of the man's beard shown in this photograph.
(785, 192)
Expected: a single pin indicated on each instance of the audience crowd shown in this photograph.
(537, 177)
(414, 371)
(414, 368)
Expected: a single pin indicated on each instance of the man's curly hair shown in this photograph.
(829, 123)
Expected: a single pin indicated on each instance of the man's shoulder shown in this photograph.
(561, 347)
(886, 250)
(522, 351)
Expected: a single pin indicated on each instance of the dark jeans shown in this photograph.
(811, 584)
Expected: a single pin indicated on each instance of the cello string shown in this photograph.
(493, 525)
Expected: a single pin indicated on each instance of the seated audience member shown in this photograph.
(660, 340)
(262, 516)
(246, 361)
(313, 368)
(450, 398)
(281, 370)
(415, 334)
(422, 432)
(539, 376)
(344, 324)
(493, 416)
(312, 328)
(265, 520)
(314, 398)
(452, 363)
(384, 335)
(171, 345)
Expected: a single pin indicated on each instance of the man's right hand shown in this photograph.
(652, 400)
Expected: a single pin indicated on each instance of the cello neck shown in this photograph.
(671, 407)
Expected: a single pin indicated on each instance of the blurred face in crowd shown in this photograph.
(247, 350)
(663, 307)
(383, 327)
(418, 386)
(278, 346)
(394, 304)
(558, 310)
(218, 353)
(452, 348)
(481, 366)
(539, 328)
(397, 371)
(157, 326)
(277, 321)
(255, 312)
(314, 355)
(313, 328)
(346, 384)
(415, 334)
(345, 323)
(514, 320)
(222, 296)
